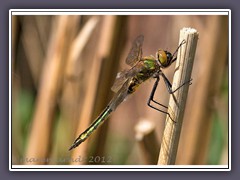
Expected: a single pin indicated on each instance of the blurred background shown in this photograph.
(63, 68)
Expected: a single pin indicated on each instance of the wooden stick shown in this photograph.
(177, 100)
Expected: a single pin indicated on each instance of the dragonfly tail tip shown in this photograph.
(71, 148)
(75, 144)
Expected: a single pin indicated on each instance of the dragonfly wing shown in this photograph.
(135, 53)
(120, 95)
(119, 81)
(123, 76)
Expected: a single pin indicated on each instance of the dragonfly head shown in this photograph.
(164, 58)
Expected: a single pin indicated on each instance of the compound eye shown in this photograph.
(169, 56)
(162, 57)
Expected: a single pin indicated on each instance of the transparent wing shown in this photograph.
(135, 53)
(120, 95)
(119, 81)
(123, 76)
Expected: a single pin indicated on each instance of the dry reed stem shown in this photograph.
(79, 44)
(41, 131)
(109, 52)
(177, 101)
(85, 116)
(14, 39)
(32, 47)
(94, 87)
(215, 54)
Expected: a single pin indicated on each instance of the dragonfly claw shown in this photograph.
(190, 81)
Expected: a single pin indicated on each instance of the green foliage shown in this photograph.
(219, 131)
(217, 141)
(21, 120)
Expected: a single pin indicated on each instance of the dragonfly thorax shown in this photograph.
(164, 58)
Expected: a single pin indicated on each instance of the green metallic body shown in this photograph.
(146, 68)
(127, 81)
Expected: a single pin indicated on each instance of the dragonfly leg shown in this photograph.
(183, 42)
(152, 96)
(169, 85)
(175, 53)
(173, 60)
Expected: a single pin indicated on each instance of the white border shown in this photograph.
(230, 88)
(122, 167)
(118, 12)
(10, 90)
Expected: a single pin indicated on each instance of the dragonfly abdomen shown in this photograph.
(100, 119)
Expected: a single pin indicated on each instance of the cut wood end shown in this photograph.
(189, 30)
(143, 128)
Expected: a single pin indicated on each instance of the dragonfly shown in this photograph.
(127, 81)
